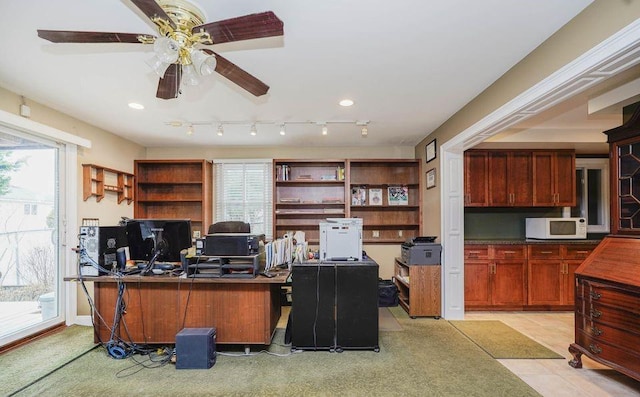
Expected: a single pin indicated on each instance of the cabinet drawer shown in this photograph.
(476, 252)
(544, 251)
(577, 251)
(509, 251)
(613, 336)
(606, 352)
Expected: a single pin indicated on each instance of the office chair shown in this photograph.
(230, 227)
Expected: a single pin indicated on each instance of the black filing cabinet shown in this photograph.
(334, 306)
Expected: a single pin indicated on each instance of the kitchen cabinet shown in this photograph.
(554, 178)
(476, 174)
(550, 274)
(495, 276)
(510, 179)
(519, 178)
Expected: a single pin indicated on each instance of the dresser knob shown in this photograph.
(594, 295)
(596, 331)
(595, 313)
(595, 349)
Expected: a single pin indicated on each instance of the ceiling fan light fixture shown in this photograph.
(205, 64)
(189, 75)
(158, 66)
(166, 49)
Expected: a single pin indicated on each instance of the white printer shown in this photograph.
(341, 239)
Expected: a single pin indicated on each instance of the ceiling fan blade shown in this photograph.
(169, 85)
(152, 10)
(66, 36)
(232, 72)
(253, 26)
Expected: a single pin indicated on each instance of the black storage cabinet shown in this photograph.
(334, 306)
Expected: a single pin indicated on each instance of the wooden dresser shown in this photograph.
(607, 316)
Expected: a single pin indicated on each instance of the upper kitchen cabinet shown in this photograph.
(624, 154)
(554, 178)
(510, 179)
(476, 174)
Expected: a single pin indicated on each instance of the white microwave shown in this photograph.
(556, 228)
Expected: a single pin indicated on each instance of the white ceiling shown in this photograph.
(408, 65)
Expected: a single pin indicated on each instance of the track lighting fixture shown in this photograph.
(254, 130)
(325, 130)
(190, 130)
(220, 130)
(282, 131)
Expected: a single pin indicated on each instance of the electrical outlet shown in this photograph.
(399, 233)
(376, 233)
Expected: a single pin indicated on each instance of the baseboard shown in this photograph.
(84, 320)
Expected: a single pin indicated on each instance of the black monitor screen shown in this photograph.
(165, 237)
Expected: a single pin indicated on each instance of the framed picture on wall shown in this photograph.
(430, 151)
(431, 178)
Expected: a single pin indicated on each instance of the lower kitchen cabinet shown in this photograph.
(495, 277)
(522, 276)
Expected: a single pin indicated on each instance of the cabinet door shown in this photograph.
(543, 179)
(499, 195)
(520, 177)
(508, 283)
(477, 291)
(545, 278)
(475, 179)
(565, 179)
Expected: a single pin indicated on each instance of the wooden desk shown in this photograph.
(243, 311)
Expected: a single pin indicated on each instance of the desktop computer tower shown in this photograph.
(196, 348)
(100, 244)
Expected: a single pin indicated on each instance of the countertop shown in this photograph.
(528, 241)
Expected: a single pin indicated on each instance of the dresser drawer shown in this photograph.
(476, 252)
(599, 349)
(544, 251)
(613, 336)
(515, 251)
(577, 251)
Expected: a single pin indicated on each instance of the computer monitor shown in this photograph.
(158, 239)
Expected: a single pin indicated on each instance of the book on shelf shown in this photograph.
(304, 177)
(290, 200)
(398, 195)
(282, 172)
(332, 200)
(375, 196)
(358, 196)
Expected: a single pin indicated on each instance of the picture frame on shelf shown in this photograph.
(430, 151)
(375, 196)
(398, 195)
(431, 178)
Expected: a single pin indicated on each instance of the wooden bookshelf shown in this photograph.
(174, 189)
(94, 183)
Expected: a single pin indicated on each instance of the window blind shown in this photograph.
(244, 193)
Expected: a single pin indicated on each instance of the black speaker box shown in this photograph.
(196, 348)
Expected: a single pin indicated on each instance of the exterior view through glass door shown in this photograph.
(29, 254)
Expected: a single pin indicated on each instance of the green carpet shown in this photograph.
(501, 341)
(428, 357)
(28, 363)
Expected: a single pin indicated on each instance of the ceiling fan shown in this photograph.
(180, 55)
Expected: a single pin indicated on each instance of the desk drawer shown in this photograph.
(609, 353)
(609, 296)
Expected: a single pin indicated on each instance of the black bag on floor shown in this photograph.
(387, 293)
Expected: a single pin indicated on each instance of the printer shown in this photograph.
(421, 251)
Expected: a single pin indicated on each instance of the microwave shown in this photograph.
(556, 228)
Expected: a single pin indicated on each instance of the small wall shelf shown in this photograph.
(93, 183)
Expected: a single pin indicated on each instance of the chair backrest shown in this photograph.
(230, 227)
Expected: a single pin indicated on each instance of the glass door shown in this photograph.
(29, 232)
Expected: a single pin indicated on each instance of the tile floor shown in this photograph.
(555, 377)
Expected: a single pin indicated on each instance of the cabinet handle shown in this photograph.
(596, 331)
(546, 252)
(582, 252)
(595, 349)
(595, 295)
(595, 313)
(509, 252)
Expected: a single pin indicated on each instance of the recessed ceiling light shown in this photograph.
(136, 106)
(346, 102)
